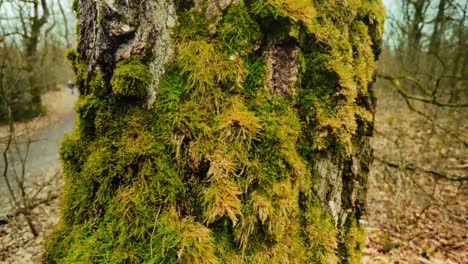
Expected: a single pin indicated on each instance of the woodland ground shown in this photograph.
(17, 245)
(416, 217)
(411, 217)
(58, 103)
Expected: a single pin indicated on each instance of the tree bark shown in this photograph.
(222, 131)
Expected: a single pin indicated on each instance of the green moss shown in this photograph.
(256, 77)
(82, 73)
(373, 13)
(220, 169)
(79, 67)
(97, 83)
(214, 70)
(71, 55)
(75, 6)
(238, 31)
(354, 239)
(265, 9)
(78, 190)
(131, 78)
(193, 25)
(86, 109)
(299, 10)
(321, 236)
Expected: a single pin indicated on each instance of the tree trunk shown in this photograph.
(31, 37)
(459, 59)
(438, 35)
(415, 32)
(439, 28)
(222, 131)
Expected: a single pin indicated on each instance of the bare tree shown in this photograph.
(21, 203)
(40, 36)
(26, 21)
(420, 156)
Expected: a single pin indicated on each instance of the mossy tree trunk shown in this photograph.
(222, 131)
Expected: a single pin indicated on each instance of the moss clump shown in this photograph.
(79, 67)
(131, 78)
(71, 55)
(321, 234)
(207, 68)
(75, 6)
(87, 108)
(222, 169)
(255, 79)
(238, 31)
(97, 83)
(299, 10)
(354, 239)
(186, 240)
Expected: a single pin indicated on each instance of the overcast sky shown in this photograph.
(389, 4)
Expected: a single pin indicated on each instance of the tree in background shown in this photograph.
(32, 16)
(419, 185)
(432, 59)
(219, 132)
(430, 46)
(32, 45)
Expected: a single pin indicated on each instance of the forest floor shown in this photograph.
(415, 213)
(412, 217)
(58, 104)
(37, 141)
(17, 244)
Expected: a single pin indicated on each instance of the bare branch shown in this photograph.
(430, 101)
(436, 174)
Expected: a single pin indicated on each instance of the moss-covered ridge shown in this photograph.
(221, 168)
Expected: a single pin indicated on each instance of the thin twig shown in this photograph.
(436, 174)
(154, 230)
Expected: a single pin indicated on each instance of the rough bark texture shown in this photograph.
(219, 132)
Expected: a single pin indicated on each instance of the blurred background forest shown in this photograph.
(417, 206)
(417, 210)
(34, 35)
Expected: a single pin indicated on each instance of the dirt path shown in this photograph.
(46, 133)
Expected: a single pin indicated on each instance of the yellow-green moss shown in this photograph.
(207, 69)
(354, 239)
(75, 6)
(220, 170)
(131, 78)
(96, 85)
(238, 31)
(302, 10)
(80, 68)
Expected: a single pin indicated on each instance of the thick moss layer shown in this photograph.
(131, 78)
(221, 168)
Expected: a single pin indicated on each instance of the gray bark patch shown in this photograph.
(137, 29)
(162, 17)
